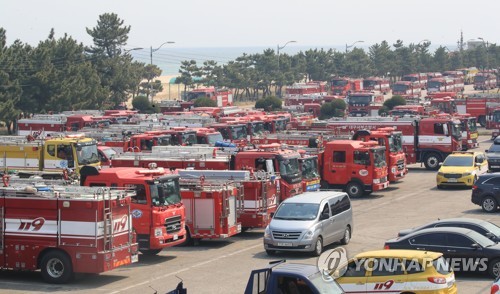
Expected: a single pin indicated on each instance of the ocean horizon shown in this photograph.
(169, 59)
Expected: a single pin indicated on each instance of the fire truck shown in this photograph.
(157, 211)
(343, 86)
(254, 126)
(443, 84)
(290, 138)
(222, 97)
(364, 103)
(53, 124)
(485, 81)
(469, 131)
(458, 77)
(50, 157)
(63, 230)
(425, 140)
(301, 93)
(393, 142)
(311, 179)
(418, 79)
(382, 85)
(408, 90)
(475, 105)
(493, 118)
(259, 196)
(357, 167)
(407, 110)
(270, 158)
(174, 106)
(236, 133)
(469, 74)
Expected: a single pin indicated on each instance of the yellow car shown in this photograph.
(398, 271)
(461, 168)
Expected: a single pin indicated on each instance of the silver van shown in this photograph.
(309, 221)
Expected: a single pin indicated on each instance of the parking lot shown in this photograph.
(224, 266)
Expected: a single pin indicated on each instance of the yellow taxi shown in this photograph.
(461, 168)
(396, 271)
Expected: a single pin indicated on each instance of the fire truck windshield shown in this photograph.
(339, 83)
(165, 192)
(409, 79)
(479, 79)
(280, 124)
(289, 169)
(189, 138)
(456, 131)
(365, 100)
(369, 83)
(163, 140)
(399, 88)
(496, 116)
(238, 132)
(433, 84)
(257, 128)
(309, 168)
(212, 138)
(87, 154)
(379, 157)
(395, 143)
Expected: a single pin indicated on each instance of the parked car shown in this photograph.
(457, 243)
(493, 156)
(486, 192)
(461, 168)
(309, 221)
(485, 228)
(397, 271)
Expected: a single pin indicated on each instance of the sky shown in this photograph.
(255, 23)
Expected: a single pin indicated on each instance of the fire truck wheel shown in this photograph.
(355, 190)
(318, 247)
(347, 236)
(432, 161)
(151, 252)
(56, 267)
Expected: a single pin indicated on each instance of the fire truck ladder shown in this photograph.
(108, 221)
(2, 219)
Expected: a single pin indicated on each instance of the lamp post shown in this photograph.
(278, 53)
(487, 55)
(151, 63)
(347, 47)
(133, 49)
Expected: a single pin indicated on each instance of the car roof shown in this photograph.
(294, 268)
(399, 253)
(313, 197)
(465, 153)
(489, 175)
(463, 231)
(460, 220)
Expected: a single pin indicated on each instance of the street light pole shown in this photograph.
(278, 53)
(133, 49)
(151, 63)
(347, 47)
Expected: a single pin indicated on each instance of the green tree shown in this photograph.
(336, 108)
(109, 35)
(383, 111)
(205, 102)
(394, 101)
(270, 103)
(143, 104)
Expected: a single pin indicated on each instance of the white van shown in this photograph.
(310, 221)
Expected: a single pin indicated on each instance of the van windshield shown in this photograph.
(297, 211)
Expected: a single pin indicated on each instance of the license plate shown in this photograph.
(452, 180)
(135, 258)
(495, 166)
(285, 244)
(176, 237)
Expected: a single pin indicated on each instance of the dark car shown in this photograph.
(486, 192)
(464, 249)
(485, 228)
(493, 156)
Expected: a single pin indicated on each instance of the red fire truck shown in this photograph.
(485, 81)
(475, 105)
(167, 106)
(267, 157)
(355, 166)
(443, 84)
(408, 90)
(236, 133)
(458, 77)
(222, 97)
(65, 230)
(407, 110)
(301, 93)
(364, 103)
(418, 79)
(469, 131)
(343, 86)
(260, 193)
(426, 140)
(382, 85)
(157, 211)
(493, 118)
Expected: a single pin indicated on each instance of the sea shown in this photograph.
(169, 59)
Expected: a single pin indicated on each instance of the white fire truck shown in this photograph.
(63, 230)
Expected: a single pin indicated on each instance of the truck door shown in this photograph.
(336, 168)
(257, 283)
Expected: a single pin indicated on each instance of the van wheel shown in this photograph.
(318, 247)
(494, 268)
(347, 236)
(432, 161)
(489, 204)
(270, 252)
(355, 190)
(56, 267)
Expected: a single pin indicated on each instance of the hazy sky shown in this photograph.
(233, 23)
